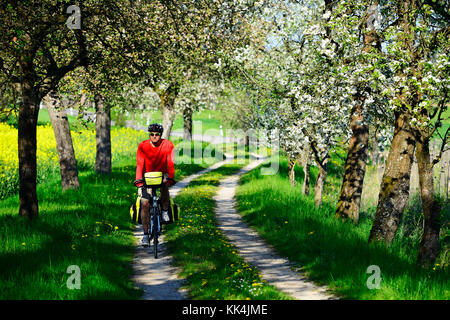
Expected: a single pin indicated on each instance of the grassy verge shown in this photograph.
(333, 252)
(89, 228)
(211, 265)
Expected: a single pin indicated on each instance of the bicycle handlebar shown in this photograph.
(135, 182)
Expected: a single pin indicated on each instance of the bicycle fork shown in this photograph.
(156, 214)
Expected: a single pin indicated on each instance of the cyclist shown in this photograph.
(155, 154)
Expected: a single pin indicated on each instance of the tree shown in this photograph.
(197, 95)
(64, 145)
(348, 205)
(428, 119)
(179, 40)
(37, 49)
(417, 45)
(301, 91)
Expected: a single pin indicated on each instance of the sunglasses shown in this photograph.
(155, 134)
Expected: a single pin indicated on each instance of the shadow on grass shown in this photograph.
(36, 269)
(89, 228)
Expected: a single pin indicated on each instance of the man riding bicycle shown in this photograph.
(155, 154)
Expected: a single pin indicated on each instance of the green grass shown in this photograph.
(89, 228)
(74, 228)
(44, 117)
(79, 228)
(211, 265)
(333, 252)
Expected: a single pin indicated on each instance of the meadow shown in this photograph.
(89, 228)
(123, 144)
(335, 252)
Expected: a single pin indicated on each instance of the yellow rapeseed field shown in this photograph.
(124, 142)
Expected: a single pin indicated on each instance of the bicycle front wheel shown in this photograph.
(155, 233)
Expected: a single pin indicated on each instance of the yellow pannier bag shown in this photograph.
(173, 212)
(153, 178)
(135, 211)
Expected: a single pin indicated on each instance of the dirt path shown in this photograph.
(157, 277)
(274, 269)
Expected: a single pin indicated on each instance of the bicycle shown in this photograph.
(153, 180)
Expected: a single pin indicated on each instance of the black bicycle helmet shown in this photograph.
(155, 127)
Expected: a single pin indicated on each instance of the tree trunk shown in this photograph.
(133, 117)
(394, 192)
(66, 153)
(355, 167)
(102, 135)
(27, 146)
(291, 171)
(306, 171)
(429, 244)
(318, 188)
(168, 108)
(246, 139)
(187, 124)
(168, 119)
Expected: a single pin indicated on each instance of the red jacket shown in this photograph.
(150, 158)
